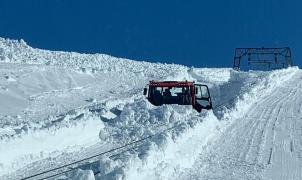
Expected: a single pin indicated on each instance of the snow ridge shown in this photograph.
(13, 51)
(72, 106)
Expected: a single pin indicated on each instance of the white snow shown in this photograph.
(83, 175)
(60, 107)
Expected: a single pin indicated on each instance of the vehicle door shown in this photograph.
(202, 97)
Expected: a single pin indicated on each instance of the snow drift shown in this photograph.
(61, 107)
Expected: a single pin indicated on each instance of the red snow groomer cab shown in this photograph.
(179, 92)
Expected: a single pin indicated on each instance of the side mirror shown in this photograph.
(145, 91)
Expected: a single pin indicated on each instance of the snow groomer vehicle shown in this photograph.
(179, 92)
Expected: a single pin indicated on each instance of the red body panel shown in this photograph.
(171, 83)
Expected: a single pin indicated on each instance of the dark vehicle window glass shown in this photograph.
(202, 92)
(173, 91)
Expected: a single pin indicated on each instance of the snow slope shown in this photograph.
(48, 96)
(60, 107)
(260, 142)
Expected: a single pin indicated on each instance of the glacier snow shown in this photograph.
(58, 107)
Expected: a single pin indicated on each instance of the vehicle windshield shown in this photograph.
(172, 91)
(171, 95)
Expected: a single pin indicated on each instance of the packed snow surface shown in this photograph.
(58, 108)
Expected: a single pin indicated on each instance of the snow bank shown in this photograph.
(83, 175)
(140, 119)
(178, 152)
(37, 145)
(213, 75)
(13, 51)
(71, 106)
(263, 86)
(178, 149)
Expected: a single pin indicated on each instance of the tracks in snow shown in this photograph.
(251, 146)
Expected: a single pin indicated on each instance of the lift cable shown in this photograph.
(97, 155)
(106, 152)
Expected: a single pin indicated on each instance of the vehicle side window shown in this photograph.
(198, 90)
(202, 92)
(175, 91)
(160, 89)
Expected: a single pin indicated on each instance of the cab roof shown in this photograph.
(171, 83)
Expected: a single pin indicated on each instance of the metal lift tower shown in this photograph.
(271, 58)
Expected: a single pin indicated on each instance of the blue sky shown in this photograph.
(195, 33)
